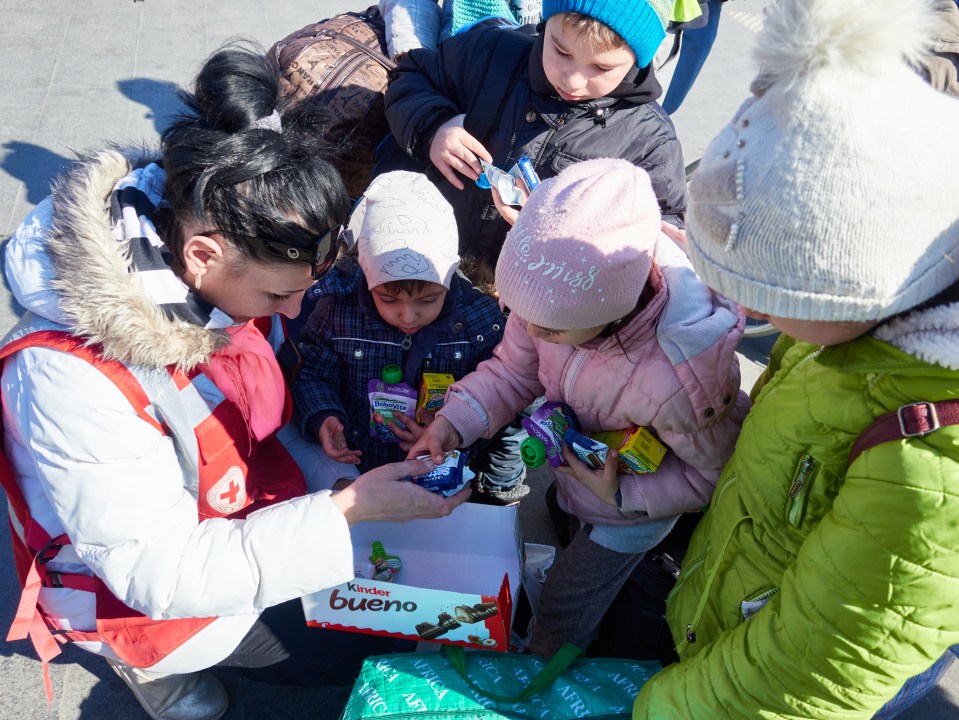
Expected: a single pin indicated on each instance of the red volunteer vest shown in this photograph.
(237, 474)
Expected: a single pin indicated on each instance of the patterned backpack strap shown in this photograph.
(912, 420)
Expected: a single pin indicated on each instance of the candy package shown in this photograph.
(514, 185)
(449, 477)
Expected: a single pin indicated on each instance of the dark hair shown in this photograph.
(480, 274)
(247, 181)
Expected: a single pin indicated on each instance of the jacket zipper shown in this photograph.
(539, 156)
(684, 576)
(695, 566)
(760, 599)
(573, 372)
(702, 558)
(799, 490)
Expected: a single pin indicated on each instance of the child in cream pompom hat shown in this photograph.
(607, 317)
(827, 570)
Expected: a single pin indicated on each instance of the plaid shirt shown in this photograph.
(345, 344)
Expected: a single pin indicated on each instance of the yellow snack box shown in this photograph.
(639, 451)
(432, 391)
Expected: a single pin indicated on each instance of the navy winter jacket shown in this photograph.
(345, 344)
(432, 86)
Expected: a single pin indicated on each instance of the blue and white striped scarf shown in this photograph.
(134, 203)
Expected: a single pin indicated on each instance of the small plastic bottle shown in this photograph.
(383, 569)
(545, 427)
(533, 452)
(392, 374)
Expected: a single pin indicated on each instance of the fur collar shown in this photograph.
(931, 335)
(100, 298)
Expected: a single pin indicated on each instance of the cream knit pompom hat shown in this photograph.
(834, 192)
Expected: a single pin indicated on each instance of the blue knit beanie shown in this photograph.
(641, 23)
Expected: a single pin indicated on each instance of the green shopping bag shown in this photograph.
(485, 685)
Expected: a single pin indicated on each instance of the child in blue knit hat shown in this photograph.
(582, 88)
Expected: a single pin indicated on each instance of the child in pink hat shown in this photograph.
(608, 317)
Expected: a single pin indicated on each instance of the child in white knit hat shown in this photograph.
(826, 572)
(405, 305)
(608, 318)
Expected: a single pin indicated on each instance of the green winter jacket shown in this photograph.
(849, 574)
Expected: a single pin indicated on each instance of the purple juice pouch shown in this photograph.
(445, 479)
(547, 424)
(592, 452)
(389, 396)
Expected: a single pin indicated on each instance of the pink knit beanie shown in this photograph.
(582, 248)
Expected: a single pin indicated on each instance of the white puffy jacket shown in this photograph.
(89, 467)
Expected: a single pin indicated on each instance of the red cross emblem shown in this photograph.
(228, 494)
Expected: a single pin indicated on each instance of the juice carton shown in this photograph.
(432, 392)
(639, 451)
(389, 395)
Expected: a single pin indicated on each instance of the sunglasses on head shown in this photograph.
(321, 253)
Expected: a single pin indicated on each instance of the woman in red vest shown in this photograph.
(159, 518)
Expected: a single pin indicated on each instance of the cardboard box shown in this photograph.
(459, 577)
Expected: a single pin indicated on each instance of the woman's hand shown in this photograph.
(507, 212)
(455, 150)
(438, 437)
(383, 494)
(414, 430)
(334, 442)
(604, 483)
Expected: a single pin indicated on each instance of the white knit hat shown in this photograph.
(834, 192)
(405, 230)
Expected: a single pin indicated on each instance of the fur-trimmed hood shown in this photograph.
(65, 264)
(931, 335)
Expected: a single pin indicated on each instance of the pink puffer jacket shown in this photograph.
(673, 369)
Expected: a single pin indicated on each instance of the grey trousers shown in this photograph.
(578, 591)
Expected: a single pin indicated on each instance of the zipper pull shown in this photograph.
(807, 465)
(690, 635)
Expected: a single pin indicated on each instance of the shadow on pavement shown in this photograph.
(162, 99)
(34, 166)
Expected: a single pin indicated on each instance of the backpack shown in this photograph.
(342, 64)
